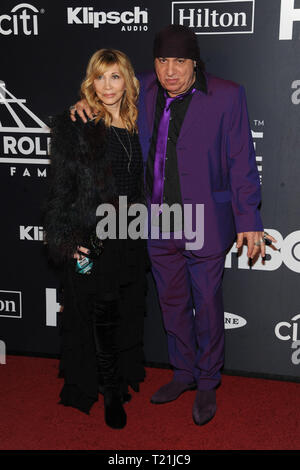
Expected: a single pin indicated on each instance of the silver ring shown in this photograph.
(257, 243)
(72, 107)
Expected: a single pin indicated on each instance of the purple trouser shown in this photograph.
(187, 281)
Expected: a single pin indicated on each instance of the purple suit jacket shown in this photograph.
(216, 158)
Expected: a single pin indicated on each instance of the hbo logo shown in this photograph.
(286, 250)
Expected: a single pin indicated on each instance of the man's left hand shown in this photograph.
(255, 242)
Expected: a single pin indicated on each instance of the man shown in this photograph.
(196, 141)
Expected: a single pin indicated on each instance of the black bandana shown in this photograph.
(176, 41)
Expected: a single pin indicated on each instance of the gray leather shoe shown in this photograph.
(171, 391)
(205, 406)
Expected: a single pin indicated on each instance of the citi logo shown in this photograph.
(10, 304)
(33, 233)
(289, 331)
(87, 15)
(209, 17)
(286, 331)
(233, 321)
(23, 20)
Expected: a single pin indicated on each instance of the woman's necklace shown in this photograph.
(129, 155)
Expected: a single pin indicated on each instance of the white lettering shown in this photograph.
(278, 328)
(293, 325)
(72, 15)
(243, 17)
(24, 142)
(42, 173)
(127, 17)
(7, 306)
(206, 18)
(228, 22)
(190, 17)
(24, 145)
(37, 235)
(52, 307)
(140, 16)
(87, 15)
(285, 251)
(5, 31)
(25, 21)
(24, 233)
(290, 251)
(9, 145)
(288, 15)
(2, 352)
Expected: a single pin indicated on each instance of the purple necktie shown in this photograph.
(161, 147)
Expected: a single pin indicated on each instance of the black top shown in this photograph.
(127, 167)
(172, 192)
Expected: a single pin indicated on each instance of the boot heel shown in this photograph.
(115, 416)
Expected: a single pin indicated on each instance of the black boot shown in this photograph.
(106, 322)
(125, 395)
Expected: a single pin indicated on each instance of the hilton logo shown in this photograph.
(10, 304)
(225, 17)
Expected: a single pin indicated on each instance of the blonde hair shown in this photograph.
(98, 64)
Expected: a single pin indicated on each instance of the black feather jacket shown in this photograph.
(81, 178)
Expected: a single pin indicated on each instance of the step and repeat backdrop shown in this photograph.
(45, 47)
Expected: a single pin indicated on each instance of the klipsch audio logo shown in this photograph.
(209, 17)
(285, 251)
(133, 20)
(24, 138)
(288, 16)
(32, 233)
(21, 20)
(10, 304)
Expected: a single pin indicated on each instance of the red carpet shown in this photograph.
(253, 414)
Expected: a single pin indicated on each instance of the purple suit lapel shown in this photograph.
(198, 101)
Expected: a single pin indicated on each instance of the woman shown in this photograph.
(105, 282)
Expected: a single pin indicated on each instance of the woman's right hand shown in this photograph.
(81, 106)
(78, 255)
